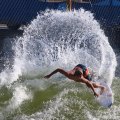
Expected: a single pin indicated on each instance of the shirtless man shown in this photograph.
(80, 73)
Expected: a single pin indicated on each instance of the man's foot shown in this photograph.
(96, 95)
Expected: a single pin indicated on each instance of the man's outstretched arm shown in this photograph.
(58, 70)
(90, 85)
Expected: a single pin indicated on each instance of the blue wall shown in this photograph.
(22, 11)
(107, 15)
(17, 12)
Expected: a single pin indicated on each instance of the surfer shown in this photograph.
(79, 73)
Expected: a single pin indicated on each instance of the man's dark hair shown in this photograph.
(78, 72)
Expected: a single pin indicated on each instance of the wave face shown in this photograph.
(55, 39)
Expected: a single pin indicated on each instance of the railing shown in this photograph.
(18, 12)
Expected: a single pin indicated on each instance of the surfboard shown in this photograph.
(106, 99)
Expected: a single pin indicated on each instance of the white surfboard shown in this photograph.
(106, 99)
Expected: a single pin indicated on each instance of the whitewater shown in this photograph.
(57, 39)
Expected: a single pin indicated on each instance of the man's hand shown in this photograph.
(96, 95)
(47, 76)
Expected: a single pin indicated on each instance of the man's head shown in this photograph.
(78, 72)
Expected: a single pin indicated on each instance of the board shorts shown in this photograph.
(85, 71)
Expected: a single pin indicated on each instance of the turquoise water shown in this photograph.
(57, 39)
(63, 100)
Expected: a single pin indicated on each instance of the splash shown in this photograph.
(20, 94)
(61, 39)
(64, 39)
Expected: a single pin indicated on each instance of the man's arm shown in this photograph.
(90, 85)
(58, 70)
